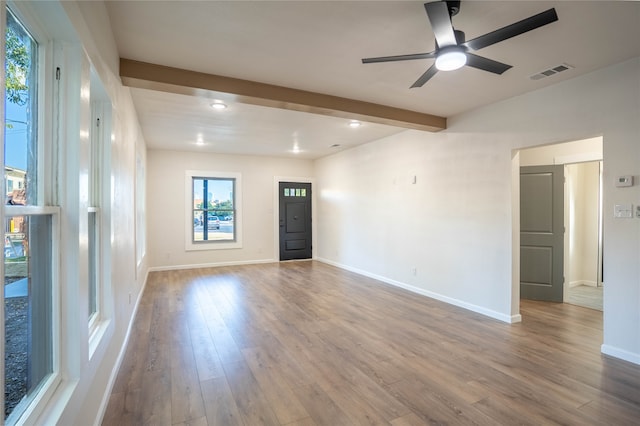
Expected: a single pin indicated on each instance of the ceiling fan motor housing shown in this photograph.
(454, 7)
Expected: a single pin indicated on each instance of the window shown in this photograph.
(94, 216)
(141, 200)
(21, 99)
(98, 187)
(213, 210)
(29, 233)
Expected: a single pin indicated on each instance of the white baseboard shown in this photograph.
(462, 304)
(211, 265)
(123, 349)
(583, 282)
(620, 353)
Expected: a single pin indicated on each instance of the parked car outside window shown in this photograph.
(213, 222)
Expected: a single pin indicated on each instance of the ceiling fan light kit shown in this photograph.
(451, 58)
(453, 52)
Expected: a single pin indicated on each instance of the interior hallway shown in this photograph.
(307, 343)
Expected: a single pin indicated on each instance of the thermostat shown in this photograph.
(624, 180)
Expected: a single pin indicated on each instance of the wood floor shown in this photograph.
(305, 343)
(586, 296)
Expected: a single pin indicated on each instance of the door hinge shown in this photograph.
(57, 73)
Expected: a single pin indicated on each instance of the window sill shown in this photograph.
(97, 334)
(213, 245)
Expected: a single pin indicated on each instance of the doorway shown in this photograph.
(582, 269)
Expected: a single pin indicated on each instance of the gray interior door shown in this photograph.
(542, 232)
(295, 220)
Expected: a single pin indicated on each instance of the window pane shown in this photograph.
(28, 282)
(20, 127)
(213, 209)
(28, 307)
(93, 263)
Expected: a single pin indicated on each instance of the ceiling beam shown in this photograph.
(175, 80)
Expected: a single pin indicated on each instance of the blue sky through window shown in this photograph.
(15, 144)
(220, 190)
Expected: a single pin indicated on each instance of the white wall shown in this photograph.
(449, 226)
(458, 224)
(166, 206)
(583, 186)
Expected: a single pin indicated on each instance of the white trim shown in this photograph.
(276, 212)
(468, 306)
(586, 283)
(620, 354)
(212, 265)
(189, 244)
(16, 210)
(123, 349)
(578, 158)
(53, 391)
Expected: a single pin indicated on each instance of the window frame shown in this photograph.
(190, 244)
(34, 406)
(100, 134)
(27, 411)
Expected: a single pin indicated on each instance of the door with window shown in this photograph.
(295, 220)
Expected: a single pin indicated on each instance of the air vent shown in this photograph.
(551, 71)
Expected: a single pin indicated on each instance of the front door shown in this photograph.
(542, 232)
(295, 220)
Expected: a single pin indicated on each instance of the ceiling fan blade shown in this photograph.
(513, 30)
(399, 58)
(438, 14)
(425, 77)
(486, 64)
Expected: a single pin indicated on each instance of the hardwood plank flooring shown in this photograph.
(305, 343)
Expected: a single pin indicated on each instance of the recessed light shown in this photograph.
(355, 124)
(199, 140)
(218, 105)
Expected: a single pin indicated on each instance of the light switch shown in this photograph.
(623, 211)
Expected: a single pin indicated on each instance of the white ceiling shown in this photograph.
(318, 45)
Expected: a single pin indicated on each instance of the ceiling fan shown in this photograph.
(453, 52)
